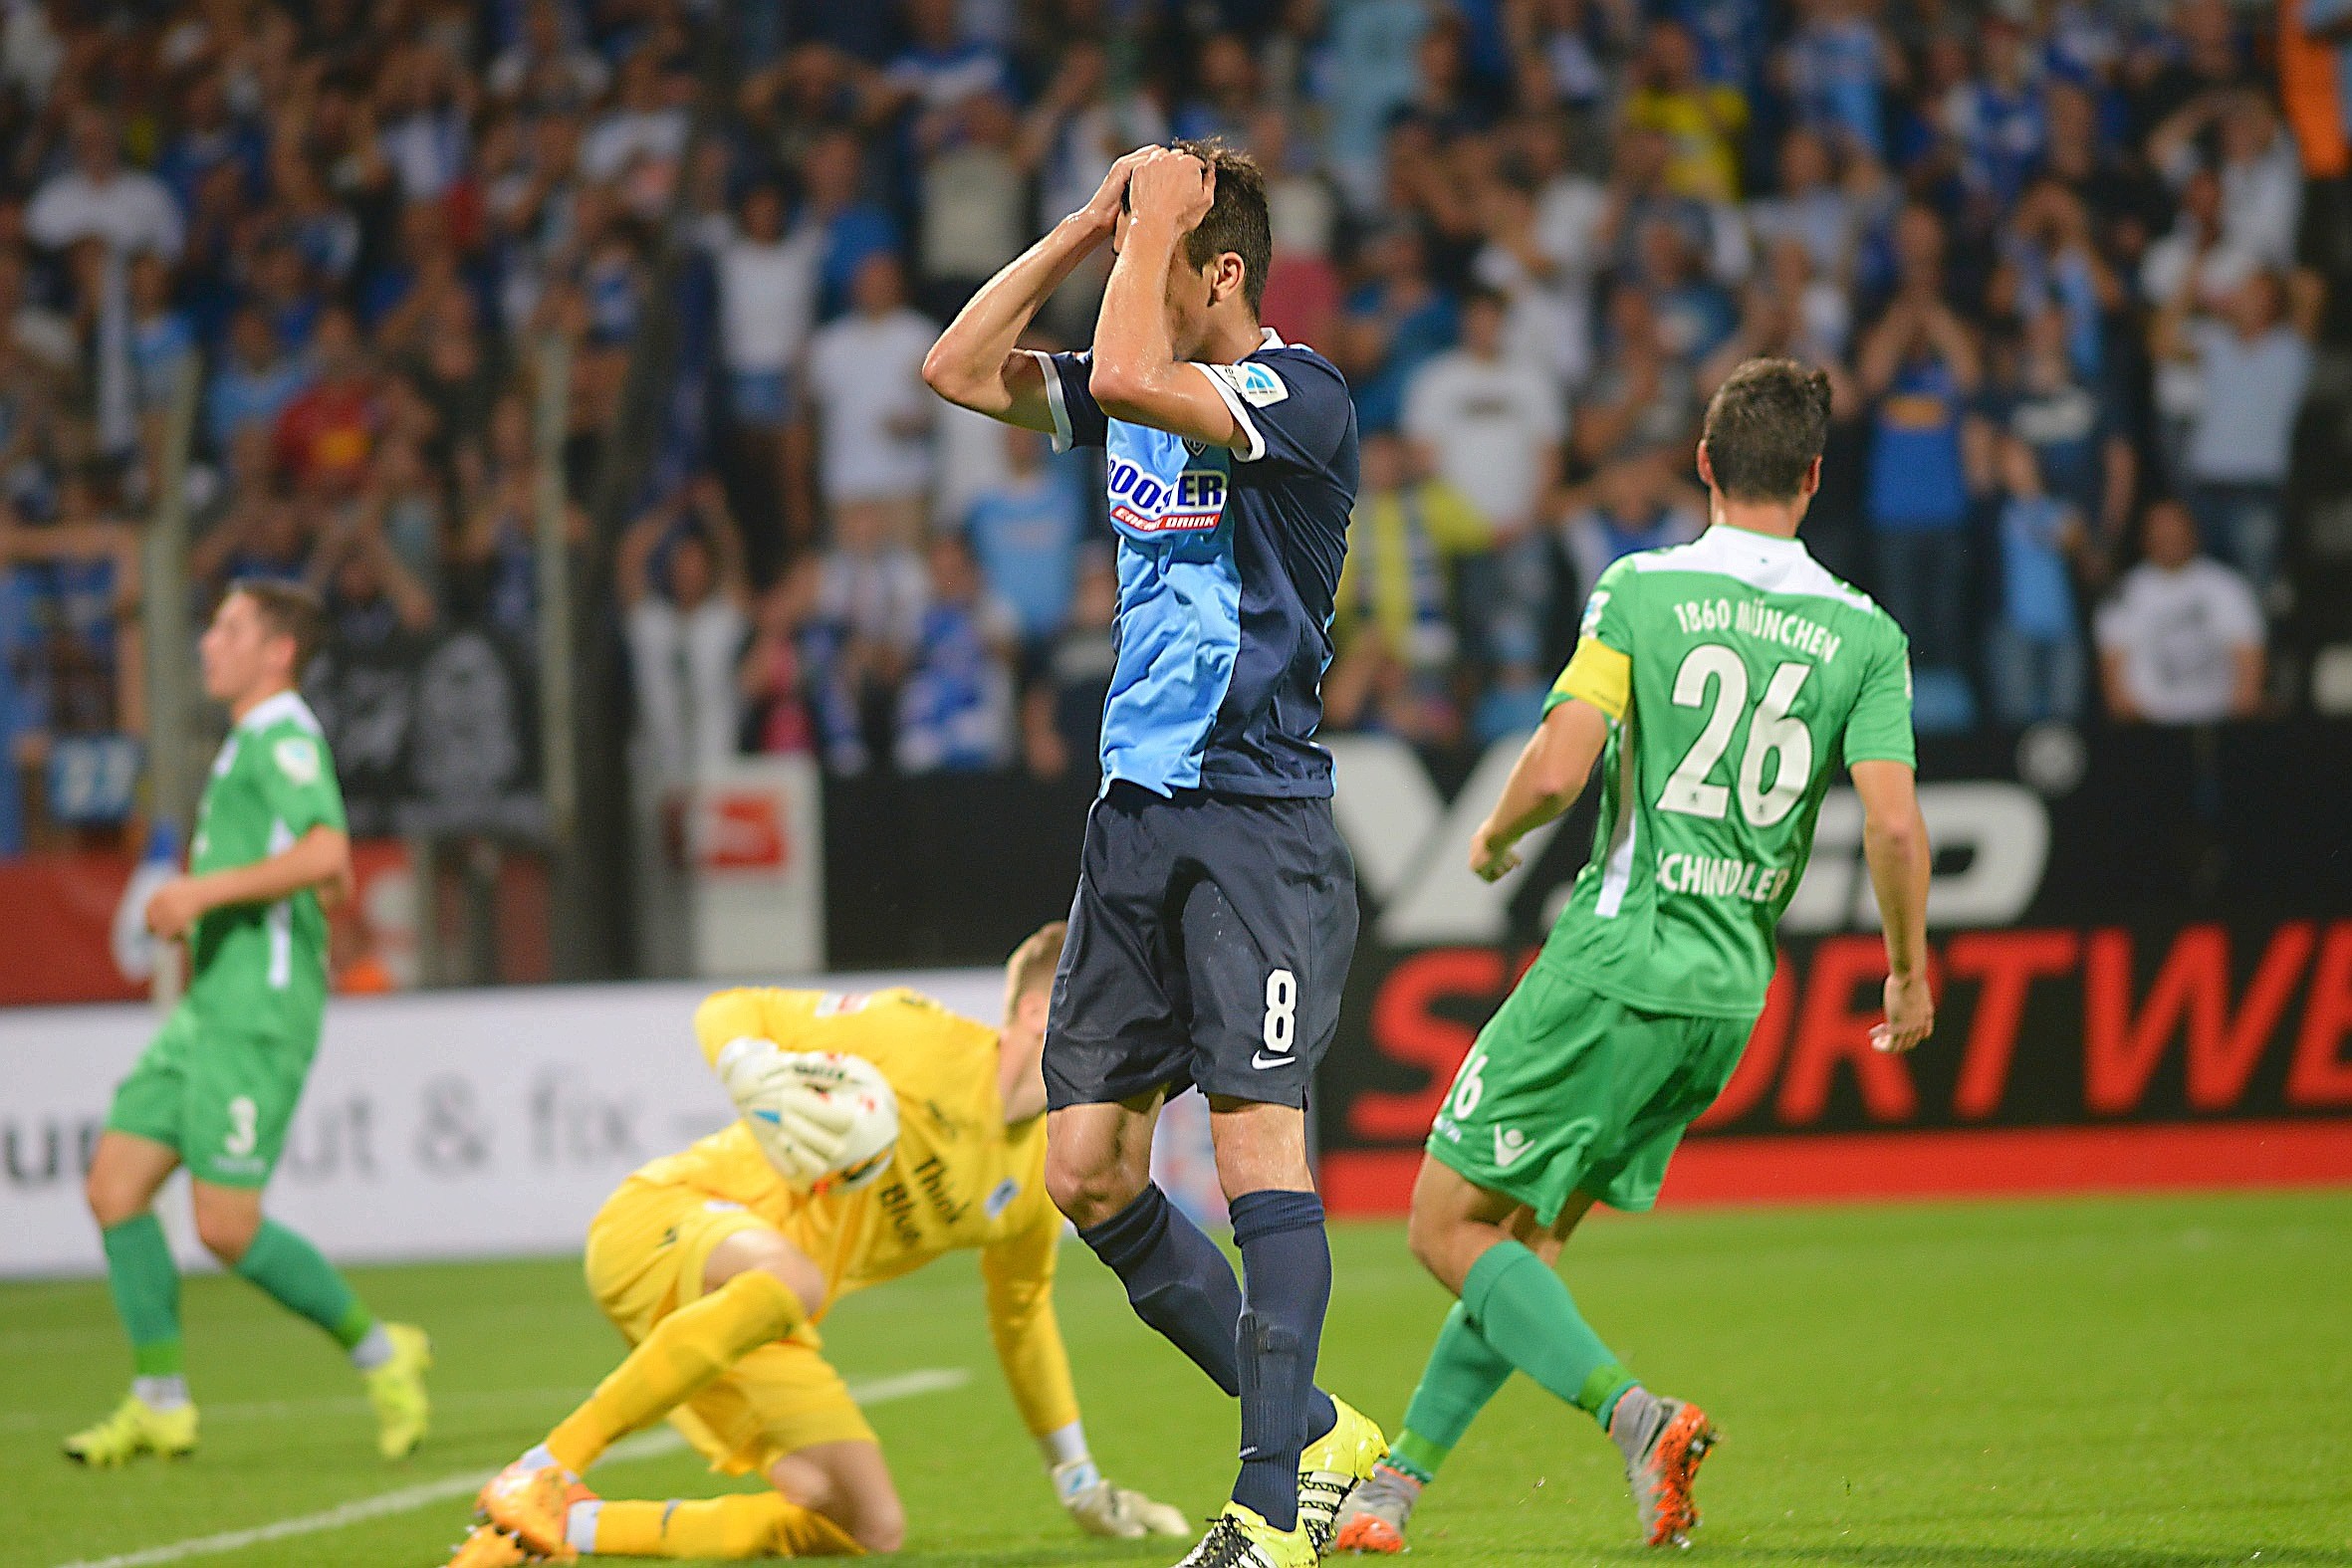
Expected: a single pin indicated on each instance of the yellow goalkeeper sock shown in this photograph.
(685, 1351)
(738, 1525)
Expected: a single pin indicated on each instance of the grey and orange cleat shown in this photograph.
(1662, 1467)
(1373, 1517)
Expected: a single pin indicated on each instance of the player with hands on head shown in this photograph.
(1215, 914)
(717, 1264)
(1715, 683)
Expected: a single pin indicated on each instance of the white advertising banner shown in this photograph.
(442, 1124)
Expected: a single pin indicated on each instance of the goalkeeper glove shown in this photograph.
(1104, 1509)
(783, 1095)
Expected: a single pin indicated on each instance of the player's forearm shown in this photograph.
(1896, 847)
(1134, 354)
(967, 364)
(321, 856)
(1541, 790)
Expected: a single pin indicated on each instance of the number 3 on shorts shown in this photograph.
(1281, 1011)
(241, 1139)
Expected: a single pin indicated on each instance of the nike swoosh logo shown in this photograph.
(1262, 1061)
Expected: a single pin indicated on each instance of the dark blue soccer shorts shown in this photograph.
(1208, 946)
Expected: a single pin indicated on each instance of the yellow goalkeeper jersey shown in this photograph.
(961, 1177)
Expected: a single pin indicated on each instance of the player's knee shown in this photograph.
(882, 1524)
(1434, 1239)
(226, 1230)
(766, 1253)
(1089, 1190)
(112, 1199)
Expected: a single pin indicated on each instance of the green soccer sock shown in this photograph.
(1525, 1311)
(300, 1280)
(145, 1285)
(1463, 1374)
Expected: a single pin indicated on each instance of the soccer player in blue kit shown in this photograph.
(1215, 914)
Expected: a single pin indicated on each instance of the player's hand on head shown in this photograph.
(1911, 1015)
(1172, 184)
(1102, 208)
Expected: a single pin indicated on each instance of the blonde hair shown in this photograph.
(1032, 963)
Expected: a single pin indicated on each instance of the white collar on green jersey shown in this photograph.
(285, 708)
(1765, 562)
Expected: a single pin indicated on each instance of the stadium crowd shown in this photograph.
(2066, 261)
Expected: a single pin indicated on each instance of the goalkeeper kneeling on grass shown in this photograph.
(718, 1262)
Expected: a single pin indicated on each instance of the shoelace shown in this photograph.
(1224, 1546)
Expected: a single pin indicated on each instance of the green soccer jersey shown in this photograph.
(1736, 673)
(261, 969)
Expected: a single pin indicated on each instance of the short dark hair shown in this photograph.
(1764, 427)
(1237, 220)
(288, 610)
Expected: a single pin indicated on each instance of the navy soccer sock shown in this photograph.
(1287, 1259)
(1176, 1279)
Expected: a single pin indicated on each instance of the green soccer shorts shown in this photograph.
(221, 1098)
(1569, 1090)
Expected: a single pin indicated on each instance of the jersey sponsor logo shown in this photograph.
(1000, 1197)
(1509, 1144)
(1142, 503)
(1407, 839)
(297, 756)
(1260, 385)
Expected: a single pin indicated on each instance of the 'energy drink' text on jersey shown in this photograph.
(1228, 564)
(1736, 672)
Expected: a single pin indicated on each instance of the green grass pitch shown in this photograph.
(2128, 1384)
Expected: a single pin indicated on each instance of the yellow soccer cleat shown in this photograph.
(488, 1547)
(1240, 1539)
(533, 1506)
(396, 1390)
(1333, 1466)
(136, 1428)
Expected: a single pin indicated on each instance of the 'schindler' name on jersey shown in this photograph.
(1229, 561)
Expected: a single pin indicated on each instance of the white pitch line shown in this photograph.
(406, 1499)
(327, 1404)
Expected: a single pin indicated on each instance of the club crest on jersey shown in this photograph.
(1142, 503)
(298, 759)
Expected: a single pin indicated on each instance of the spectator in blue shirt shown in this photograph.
(2084, 451)
(2035, 650)
(1024, 531)
(955, 712)
(1920, 367)
(1391, 324)
(1833, 69)
(853, 228)
(162, 339)
(256, 380)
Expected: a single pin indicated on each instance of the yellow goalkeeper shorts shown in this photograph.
(646, 1252)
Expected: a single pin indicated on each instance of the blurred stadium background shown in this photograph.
(569, 348)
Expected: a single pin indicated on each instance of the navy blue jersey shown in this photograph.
(1228, 564)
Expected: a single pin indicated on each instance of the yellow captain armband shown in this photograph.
(1600, 675)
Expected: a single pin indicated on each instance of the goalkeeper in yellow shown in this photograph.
(718, 1262)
